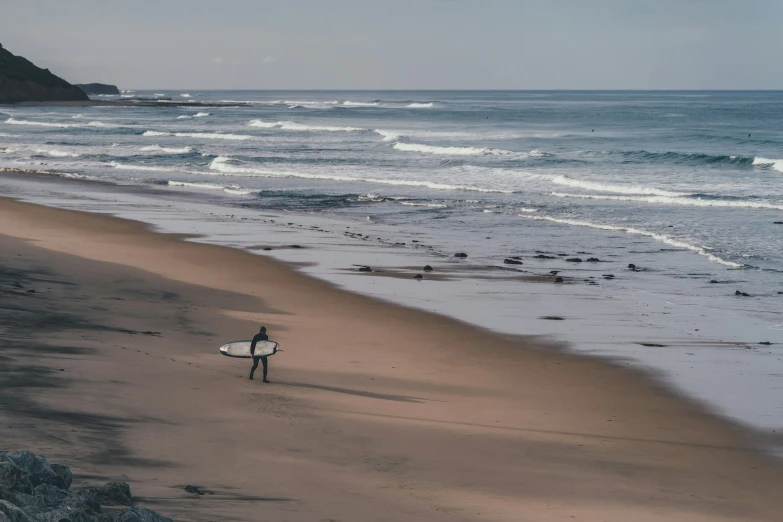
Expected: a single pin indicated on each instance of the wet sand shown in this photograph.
(375, 411)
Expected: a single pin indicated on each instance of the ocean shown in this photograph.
(684, 186)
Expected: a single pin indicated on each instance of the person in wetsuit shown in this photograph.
(260, 336)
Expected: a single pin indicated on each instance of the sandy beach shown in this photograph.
(375, 411)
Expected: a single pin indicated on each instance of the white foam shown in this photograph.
(428, 105)
(14, 121)
(58, 153)
(453, 151)
(101, 124)
(294, 126)
(166, 150)
(360, 104)
(314, 104)
(387, 135)
(222, 164)
(123, 166)
(703, 251)
(191, 116)
(6, 135)
(207, 135)
(185, 95)
(618, 189)
(231, 189)
(528, 210)
(776, 164)
(428, 205)
(666, 200)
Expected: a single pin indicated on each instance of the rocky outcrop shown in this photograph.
(21, 80)
(32, 490)
(98, 88)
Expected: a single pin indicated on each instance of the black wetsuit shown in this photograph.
(258, 337)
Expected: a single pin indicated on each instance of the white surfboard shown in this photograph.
(242, 348)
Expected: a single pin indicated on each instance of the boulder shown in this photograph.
(11, 513)
(461, 254)
(365, 269)
(558, 279)
(110, 494)
(34, 469)
(543, 256)
(418, 276)
(631, 266)
(32, 490)
(428, 268)
(510, 261)
(593, 260)
(608, 276)
(574, 260)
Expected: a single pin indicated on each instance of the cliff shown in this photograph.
(98, 88)
(21, 80)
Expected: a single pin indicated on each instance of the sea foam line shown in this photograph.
(665, 200)
(123, 166)
(167, 150)
(207, 135)
(222, 164)
(453, 151)
(14, 121)
(57, 153)
(190, 116)
(703, 251)
(294, 126)
(231, 189)
(609, 187)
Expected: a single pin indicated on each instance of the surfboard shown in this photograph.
(242, 348)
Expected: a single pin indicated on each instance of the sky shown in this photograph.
(402, 44)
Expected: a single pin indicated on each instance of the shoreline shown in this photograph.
(399, 397)
(636, 319)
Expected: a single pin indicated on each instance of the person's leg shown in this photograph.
(263, 360)
(253, 369)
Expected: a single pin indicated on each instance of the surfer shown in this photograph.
(260, 336)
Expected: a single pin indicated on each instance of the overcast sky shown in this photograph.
(403, 44)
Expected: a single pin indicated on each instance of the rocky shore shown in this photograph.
(32, 490)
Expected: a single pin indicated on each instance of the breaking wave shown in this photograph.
(360, 104)
(167, 150)
(224, 165)
(666, 200)
(14, 121)
(230, 189)
(387, 135)
(775, 164)
(191, 116)
(610, 187)
(417, 105)
(55, 153)
(703, 251)
(207, 135)
(453, 151)
(145, 168)
(293, 126)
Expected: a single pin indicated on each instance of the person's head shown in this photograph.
(263, 329)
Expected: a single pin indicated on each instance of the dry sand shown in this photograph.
(375, 412)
